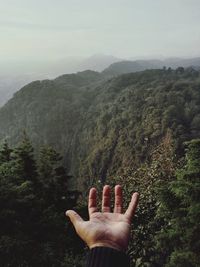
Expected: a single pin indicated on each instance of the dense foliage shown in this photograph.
(166, 228)
(34, 196)
(33, 200)
(146, 179)
(178, 242)
(100, 126)
(130, 130)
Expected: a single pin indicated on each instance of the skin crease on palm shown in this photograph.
(106, 228)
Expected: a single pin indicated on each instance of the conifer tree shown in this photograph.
(17, 201)
(52, 176)
(33, 200)
(5, 152)
(54, 200)
(23, 156)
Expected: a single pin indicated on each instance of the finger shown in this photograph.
(106, 199)
(74, 217)
(92, 201)
(118, 199)
(132, 206)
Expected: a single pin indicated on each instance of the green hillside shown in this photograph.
(101, 126)
(127, 130)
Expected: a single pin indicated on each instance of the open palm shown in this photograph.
(105, 228)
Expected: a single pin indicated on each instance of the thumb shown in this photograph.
(74, 217)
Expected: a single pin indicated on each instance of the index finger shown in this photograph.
(132, 206)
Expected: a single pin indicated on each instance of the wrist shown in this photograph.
(108, 245)
(106, 256)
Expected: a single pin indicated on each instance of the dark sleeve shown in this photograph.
(107, 257)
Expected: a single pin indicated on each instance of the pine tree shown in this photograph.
(33, 200)
(23, 156)
(17, 202)
(5, 152)
(54, 201)
(52, 176)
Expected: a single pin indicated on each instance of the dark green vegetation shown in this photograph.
(33, 199)
(180, 210)
(131, 127)
(101, 126)
(166, 228)
(35, 194)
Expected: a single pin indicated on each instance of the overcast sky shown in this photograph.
(54, 29)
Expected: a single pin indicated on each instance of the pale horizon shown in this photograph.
(42, 31)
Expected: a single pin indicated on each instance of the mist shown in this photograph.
(36, 36)
(42, 40)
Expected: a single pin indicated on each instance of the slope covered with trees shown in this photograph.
(101, 126)
(180, 211)
(131, 130)
(34, 195)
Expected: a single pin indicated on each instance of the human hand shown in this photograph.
(105, 229)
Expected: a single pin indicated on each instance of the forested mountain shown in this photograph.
(109, 66)
(9, 85)
(141, 65)
(127, 130)
(102, 125)
(127, 66)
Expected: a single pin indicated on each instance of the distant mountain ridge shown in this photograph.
(140, 65)
(10, 83)
(107, 64)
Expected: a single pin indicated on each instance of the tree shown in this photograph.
(17, 202)
(53, 177)
(55, 198)
(23, 159)
(33, 201)
(5, 152)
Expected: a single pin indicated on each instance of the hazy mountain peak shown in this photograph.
(98, 62)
